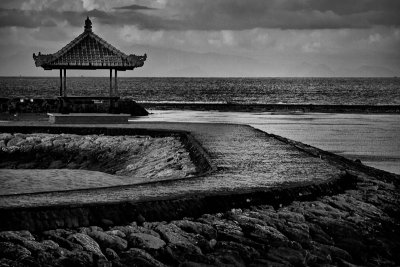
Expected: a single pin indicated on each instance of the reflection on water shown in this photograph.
(371, 138)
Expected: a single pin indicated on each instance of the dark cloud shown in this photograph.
(226, 14)
(296, 14)
(27, 19)
(134, 7)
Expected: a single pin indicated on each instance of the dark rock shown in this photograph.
(65, 243)
(173, 234)
(269, 235)
(286, 255)
(227, 257)
(13, 251)
(116, 233)
(140, 220)
(111, 254)
(331, 252)
(77, 258)
(178, 253)
(109, 241)
(198, 228)
(318, 235)
(35, 246)
(247, 253)
(139, 257)
(145, 241)
(10, 236)
(87, 243)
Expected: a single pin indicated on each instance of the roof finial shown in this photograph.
(88, 25)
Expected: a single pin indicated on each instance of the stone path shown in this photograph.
(245, 159)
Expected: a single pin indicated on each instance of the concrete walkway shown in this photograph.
(245, 160)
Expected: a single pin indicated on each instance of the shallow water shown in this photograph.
(371, 138)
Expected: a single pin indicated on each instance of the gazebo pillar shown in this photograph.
(61, 87)
(111, 92)
(65, 82)
(115, 84)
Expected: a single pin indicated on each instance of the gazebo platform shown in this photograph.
(88, 118)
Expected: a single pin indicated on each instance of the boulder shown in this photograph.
(139, 257)
(109, 241)
(13, 251)
(196, 227)
(269, 235)
(87, 243)
(145, 241)
(78, 259)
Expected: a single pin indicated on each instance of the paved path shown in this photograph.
(245, 159)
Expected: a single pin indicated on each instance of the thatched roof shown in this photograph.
(89, 51)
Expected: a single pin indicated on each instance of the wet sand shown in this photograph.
(372, 138)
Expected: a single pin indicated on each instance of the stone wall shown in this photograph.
(45, 105)
(44, 218)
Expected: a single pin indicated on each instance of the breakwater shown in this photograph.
(44, 105)
(253, 107)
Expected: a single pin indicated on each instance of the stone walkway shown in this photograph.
(245, 159)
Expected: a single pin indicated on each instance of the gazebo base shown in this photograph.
(88, 118)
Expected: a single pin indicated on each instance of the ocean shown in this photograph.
(364, 91)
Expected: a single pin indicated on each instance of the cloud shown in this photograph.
(212, 15)
(134, 7)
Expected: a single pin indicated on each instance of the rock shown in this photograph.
(318, 235)
(227, 257)
(269, 235)
(87, 243)
(296, 231)
(65, 243)
(181, 252)
(116, 233)
(290, 216)
(77, 258)
(196, 227)
(111, 254)
(11, 237)
(16, 141)
(145, 241)
(330, 252)
(140, 220)
(139, 257)
(126, 230)
(13, 251)
(109, 241)
(172, 234)
(286, 255)
(247, 253)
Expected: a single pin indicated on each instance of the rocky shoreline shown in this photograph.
(357, 227)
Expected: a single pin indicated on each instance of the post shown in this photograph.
(61, 83)
(116, 84)
(65, 82)
(111, 107)
(110, 82)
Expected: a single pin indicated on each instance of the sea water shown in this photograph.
(371, 91)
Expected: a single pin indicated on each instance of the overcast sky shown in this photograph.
(258, 38)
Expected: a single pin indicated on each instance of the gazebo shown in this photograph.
(89, 52)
